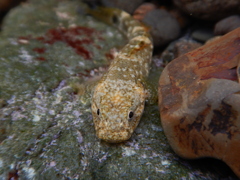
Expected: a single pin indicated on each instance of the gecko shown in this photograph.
(119, 97)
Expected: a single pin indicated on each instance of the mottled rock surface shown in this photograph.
(209, 9)
(199, 101)
(46, 132)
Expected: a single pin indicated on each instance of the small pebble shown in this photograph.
(202, 34)
(142, 10)
(182, 18)
(123, 4)
(164, 27)
(226, 25)
(182, 47)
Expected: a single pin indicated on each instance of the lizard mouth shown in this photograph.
(114, 136)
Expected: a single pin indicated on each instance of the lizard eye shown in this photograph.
(98, 111)
(130, 115)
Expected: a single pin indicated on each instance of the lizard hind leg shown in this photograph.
(85, 91)
(151, 92)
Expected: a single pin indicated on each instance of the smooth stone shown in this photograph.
(209, 9)
(202, 34)
(142, 10)
(178, 48)
(199, 101)
(182, 47)
(163, 26)
(227, 24)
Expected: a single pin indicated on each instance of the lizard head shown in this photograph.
(117, 110)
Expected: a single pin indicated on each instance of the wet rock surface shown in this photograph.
(46, 131)
(199, 101)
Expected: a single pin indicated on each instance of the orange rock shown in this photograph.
(199, 101)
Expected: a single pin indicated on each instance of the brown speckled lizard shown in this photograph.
(119, 97)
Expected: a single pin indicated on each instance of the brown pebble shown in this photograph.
(142, 10)
(182, 47)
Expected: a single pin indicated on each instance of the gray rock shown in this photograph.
(178, 48)
(226, 25)
(202, 34)
(183, 47)
(46, 132)
(209, 9)
(163, 27)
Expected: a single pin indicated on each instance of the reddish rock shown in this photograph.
(142, 10)
(199, 100)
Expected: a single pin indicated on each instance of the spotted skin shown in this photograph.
(119, 97)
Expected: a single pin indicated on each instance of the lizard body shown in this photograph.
(119, 97)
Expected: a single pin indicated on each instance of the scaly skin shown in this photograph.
(119, 97)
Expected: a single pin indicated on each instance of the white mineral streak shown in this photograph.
(30, 173)
(128, 151)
